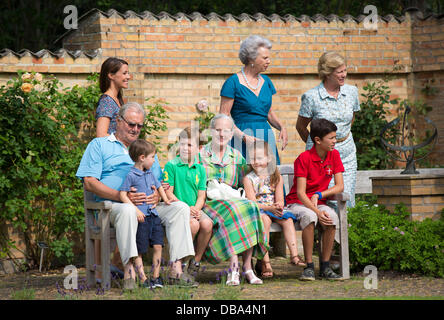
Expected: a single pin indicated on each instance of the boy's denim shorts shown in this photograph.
(149, 233)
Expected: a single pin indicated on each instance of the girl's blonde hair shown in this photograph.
(263, 145)
(328, 62)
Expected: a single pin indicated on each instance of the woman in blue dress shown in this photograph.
(336, 101)
(247, 95)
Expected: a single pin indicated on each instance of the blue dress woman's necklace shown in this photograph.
(248, 84)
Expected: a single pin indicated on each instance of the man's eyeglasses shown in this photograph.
(132, 125)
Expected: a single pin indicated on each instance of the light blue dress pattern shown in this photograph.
(317, 103)
(250, 112)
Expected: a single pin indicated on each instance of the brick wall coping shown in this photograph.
(245, 17)
(258, 17)
(364, 182)
(91, 54)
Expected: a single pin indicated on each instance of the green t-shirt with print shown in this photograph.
(187, 181)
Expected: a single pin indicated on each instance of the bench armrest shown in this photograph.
(104, 205)
(343, 196)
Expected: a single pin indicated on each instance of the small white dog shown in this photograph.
(222, 191)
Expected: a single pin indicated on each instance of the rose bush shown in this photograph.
(43, 134)
(44, 130)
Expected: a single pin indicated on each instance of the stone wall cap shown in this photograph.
(91, 54)
(245, 17)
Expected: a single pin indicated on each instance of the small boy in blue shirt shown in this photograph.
(149, 231)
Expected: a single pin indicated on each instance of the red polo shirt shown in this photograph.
(318, 173)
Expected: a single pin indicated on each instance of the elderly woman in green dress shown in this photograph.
(237, 224)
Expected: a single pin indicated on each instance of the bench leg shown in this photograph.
(319, 244)
(277, 241)
(106, 249)
(89, 253)
(343, 235)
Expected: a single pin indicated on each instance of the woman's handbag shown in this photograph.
(222, 191)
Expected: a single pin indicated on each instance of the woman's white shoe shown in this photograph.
(233, 279)
(253, 279)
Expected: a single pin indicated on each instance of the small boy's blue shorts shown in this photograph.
(149, 233)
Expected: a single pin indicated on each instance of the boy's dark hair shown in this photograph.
(320, 128)
(140, 147)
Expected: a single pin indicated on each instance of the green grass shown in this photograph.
(165, 293)
(224, 292)
(23, 294)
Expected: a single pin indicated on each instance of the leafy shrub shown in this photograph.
(390, 241)
(154, 120)
(44, 130)
(204, 118)
(368, 125)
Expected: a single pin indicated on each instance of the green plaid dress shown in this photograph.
(237, 223)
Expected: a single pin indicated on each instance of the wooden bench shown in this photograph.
(98, 227)
(279, 244)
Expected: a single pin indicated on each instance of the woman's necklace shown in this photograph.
(334, 93)
(248, 83)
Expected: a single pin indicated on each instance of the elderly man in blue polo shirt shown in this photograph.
(103, 168)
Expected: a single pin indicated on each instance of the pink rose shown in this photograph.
(202, 106)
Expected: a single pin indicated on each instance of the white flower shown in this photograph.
(38, 77)
(26, 76)
(202, 105)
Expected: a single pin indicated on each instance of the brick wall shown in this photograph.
(183, 59)
(428, 66)
(423, 196)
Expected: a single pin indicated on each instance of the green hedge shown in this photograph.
(390, 241)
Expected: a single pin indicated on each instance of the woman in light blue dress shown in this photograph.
(247, 96)
(336, 101)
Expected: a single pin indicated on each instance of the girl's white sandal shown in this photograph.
(253, 279)
(233, 279)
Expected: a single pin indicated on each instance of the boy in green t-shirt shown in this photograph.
(188, 182)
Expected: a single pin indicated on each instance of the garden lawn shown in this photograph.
(284, 286)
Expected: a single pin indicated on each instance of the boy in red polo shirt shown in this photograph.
(313, 170)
